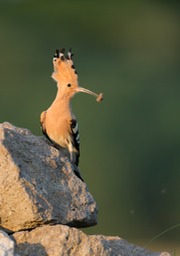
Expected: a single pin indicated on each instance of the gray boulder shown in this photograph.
(60, 240)
(38, 185)
(39, 191)
(6, 245)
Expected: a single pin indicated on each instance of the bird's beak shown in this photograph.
(99, 97)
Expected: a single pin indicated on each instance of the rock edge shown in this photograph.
(38, 185)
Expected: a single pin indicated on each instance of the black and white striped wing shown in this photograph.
(75, 141)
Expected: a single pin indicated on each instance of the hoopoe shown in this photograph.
(58, 122)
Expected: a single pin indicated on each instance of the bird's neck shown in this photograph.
(62, 102)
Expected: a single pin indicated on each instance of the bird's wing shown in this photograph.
(42, 121)
(75, 140)
(43, 126)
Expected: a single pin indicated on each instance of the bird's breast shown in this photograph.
(57, 127)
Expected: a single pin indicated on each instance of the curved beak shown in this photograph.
(99, 97)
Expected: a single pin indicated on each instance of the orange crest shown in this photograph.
(64, 69)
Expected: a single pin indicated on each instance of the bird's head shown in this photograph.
(66, 76)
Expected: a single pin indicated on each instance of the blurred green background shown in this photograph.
(130, 143)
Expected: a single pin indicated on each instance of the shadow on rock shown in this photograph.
(27, 249)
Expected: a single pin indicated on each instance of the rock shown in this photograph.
(60, 240)
(6, 245)
(38, 185)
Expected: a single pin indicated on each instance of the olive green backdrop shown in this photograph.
(130, 143)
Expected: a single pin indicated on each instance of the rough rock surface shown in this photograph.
(61, 240)
(38, 185)
(37, 188)
(6, 245)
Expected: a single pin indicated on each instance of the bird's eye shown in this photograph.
(68, 85)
